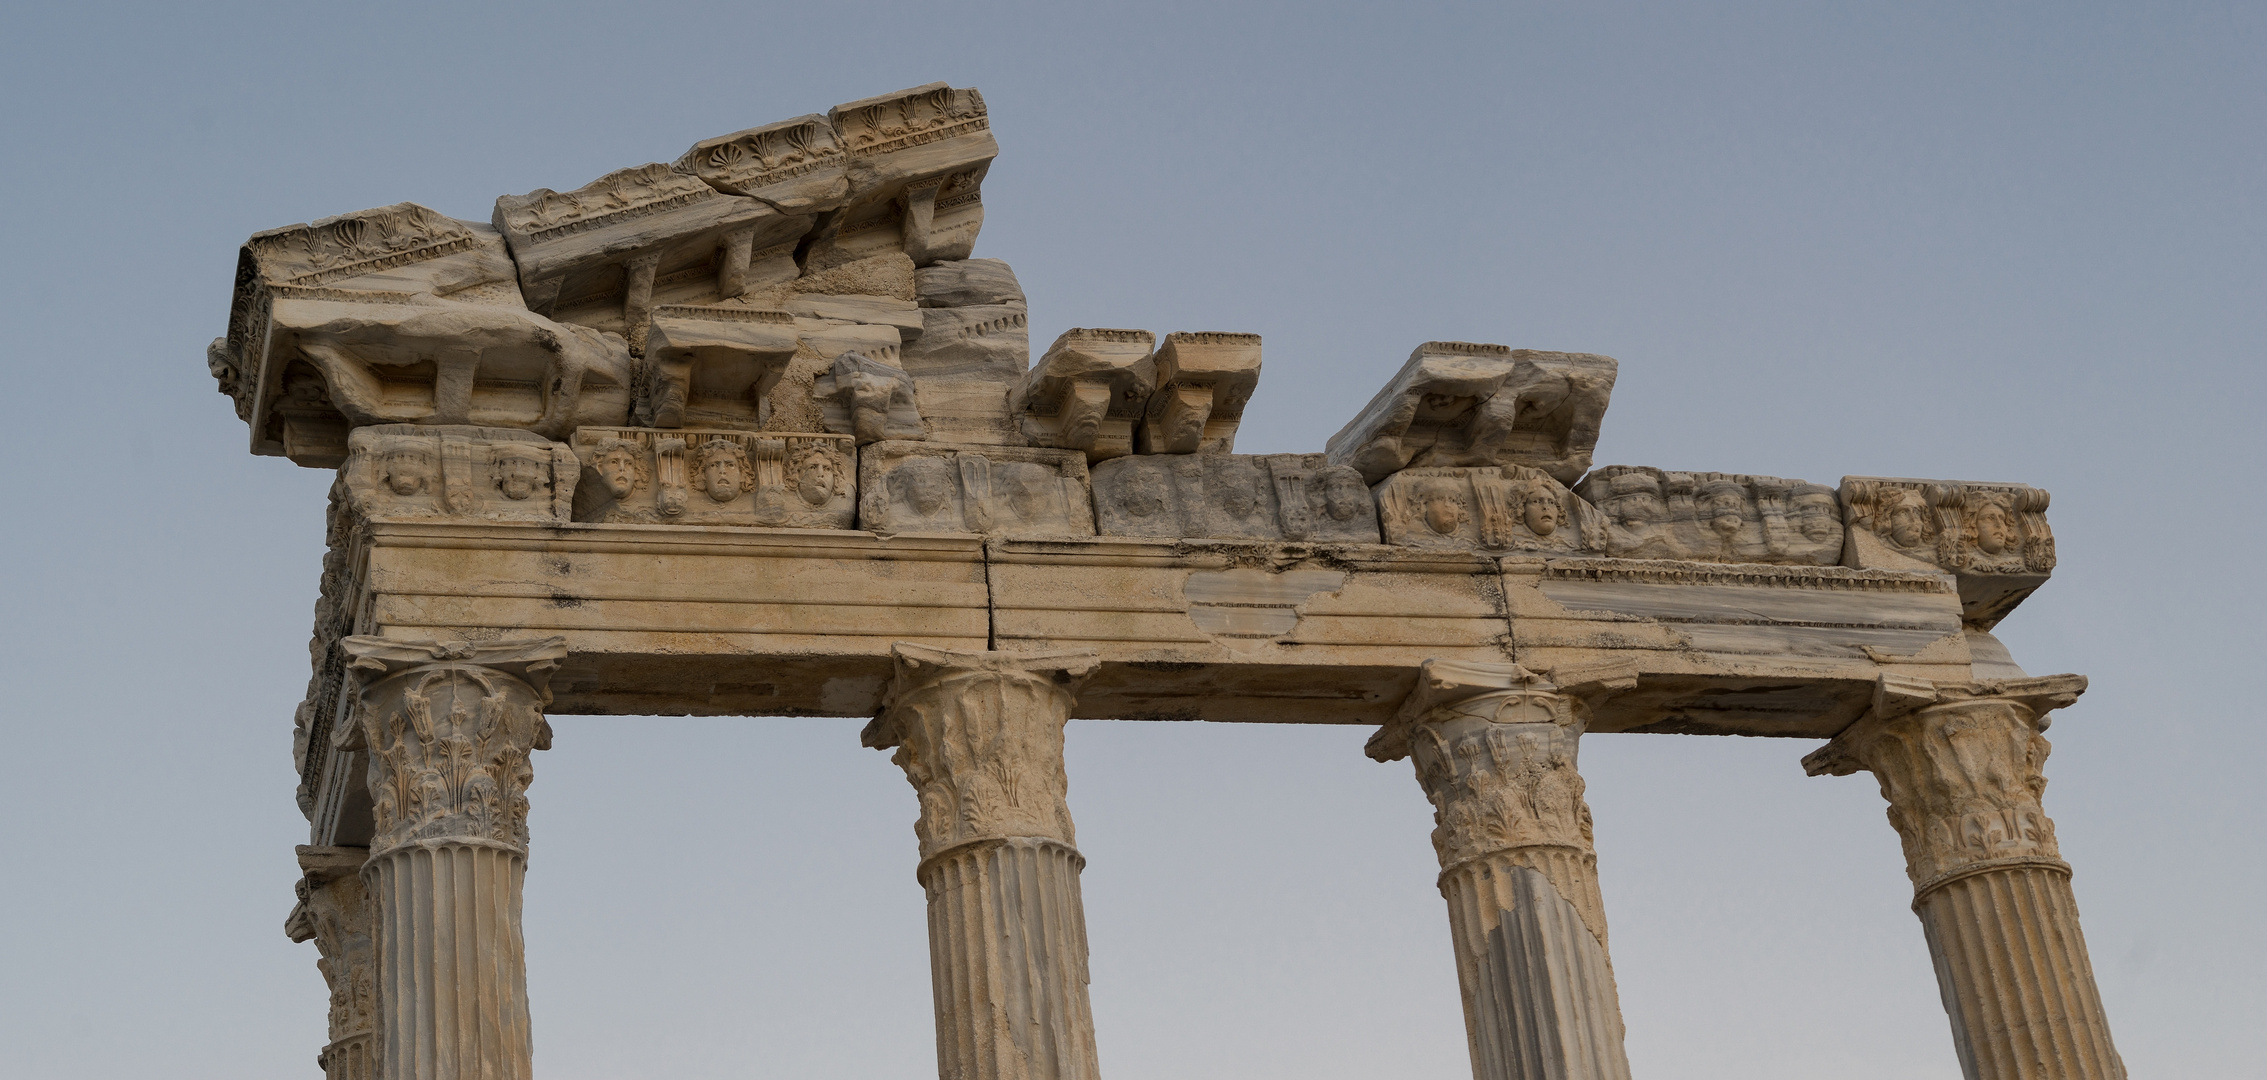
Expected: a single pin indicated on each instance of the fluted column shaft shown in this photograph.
(1962, 777)
(334, 912)
(980, 737)
(449, 730)
(1495, 748)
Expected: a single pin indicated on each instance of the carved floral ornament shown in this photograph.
(448, 728)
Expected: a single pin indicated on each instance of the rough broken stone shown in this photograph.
(407, 472)
(967, 283)
(1715, 517)
(869, 399)
(1087, 392)
(1510, 508)
(715, 477)
(1458, 403)
(1263, 497)
(1203, 381)
(1002, 490)
(1992, 537)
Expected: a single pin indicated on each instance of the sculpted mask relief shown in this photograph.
(930, 487)
(1715, 517)
(1266, 497)
(398, 472)
(642, 476)
(1511, 508)
(1993, 537)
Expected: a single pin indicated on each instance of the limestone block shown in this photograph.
(869, 400)
(916, 167)
(967, 283)
(408, 472)
(1715, 517)
(1203, 381)
(1087, 392)
(900, 315)
(715, 477)
(1992, 537)
(967, 361)
(1262, 497)
(796, 166)
(1003, 490)
(1459, 403)
(713, 366)
(605, 253)
(1508, 508)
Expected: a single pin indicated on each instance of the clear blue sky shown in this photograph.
(1962, 240)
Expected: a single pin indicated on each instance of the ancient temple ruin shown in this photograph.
(752, 433)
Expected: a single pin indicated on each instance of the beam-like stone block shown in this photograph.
(996, 490)
(1458, 403)
(1262, 497)
(1087, 392)
(916, 162)
(713, 365)
(1993, 538)
(1502, 509)
(715, 477)
(795, 166)
(1203, 381)
(1715, 517)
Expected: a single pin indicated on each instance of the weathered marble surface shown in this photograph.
(1203, 380)
(1715, 517)
(398, 472)
(1254, 497)
(713, 365)
(1992, 537)
(1459, 403)
(1088, 391)
(1003, 490)
(1505, 509)
(869, 399)
(715, 477)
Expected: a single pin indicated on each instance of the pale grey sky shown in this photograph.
(1962, 240)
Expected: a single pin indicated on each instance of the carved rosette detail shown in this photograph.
(449, 729)
(980, 737)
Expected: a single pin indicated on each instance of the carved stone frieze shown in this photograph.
(1259, 497)
(1992, 537)
(1960, 768)
(1002, 490)
(335, 612)
(397, 472)
(1459, 403)
(869, 400)
(1087, 392)
(713, 366)
(1507, 508)
(796, 166)
(448, 728)
(715, 477)
(334, 911)
(980, 737)
(917, 160)
(1715, 517)
(1203, 381)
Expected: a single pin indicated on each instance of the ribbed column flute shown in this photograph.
(1494, 746)
(1960, 766)
(449, 729)
(980, 737)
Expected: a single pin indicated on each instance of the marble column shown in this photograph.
(980, 737)
(1494, 747)
(448, 729)
(334, 913)
(1960, 766)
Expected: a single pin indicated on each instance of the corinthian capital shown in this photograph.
(1960, 766)
(1495, 749)
(980, 737)
(448, 727)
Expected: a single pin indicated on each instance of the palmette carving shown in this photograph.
(980, 737)
(1508, 508)
(1715, 517)
(694, 477)
(449, 728)
(1961, 769)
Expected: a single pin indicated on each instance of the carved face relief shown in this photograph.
(1541, 511)
(1343, 495)
(869, 405)
(1723, 508)
(1239, 492)
(815, 477)
(1145, 493)
(618, 470)
(1995, 529)
(721, 478)
(1440, 508)
(927, 483)
(408, 471)
(519, 477)
(1815, 516)
(1908, 519)
(1638, 508)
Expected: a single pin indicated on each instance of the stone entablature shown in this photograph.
(752, 433)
